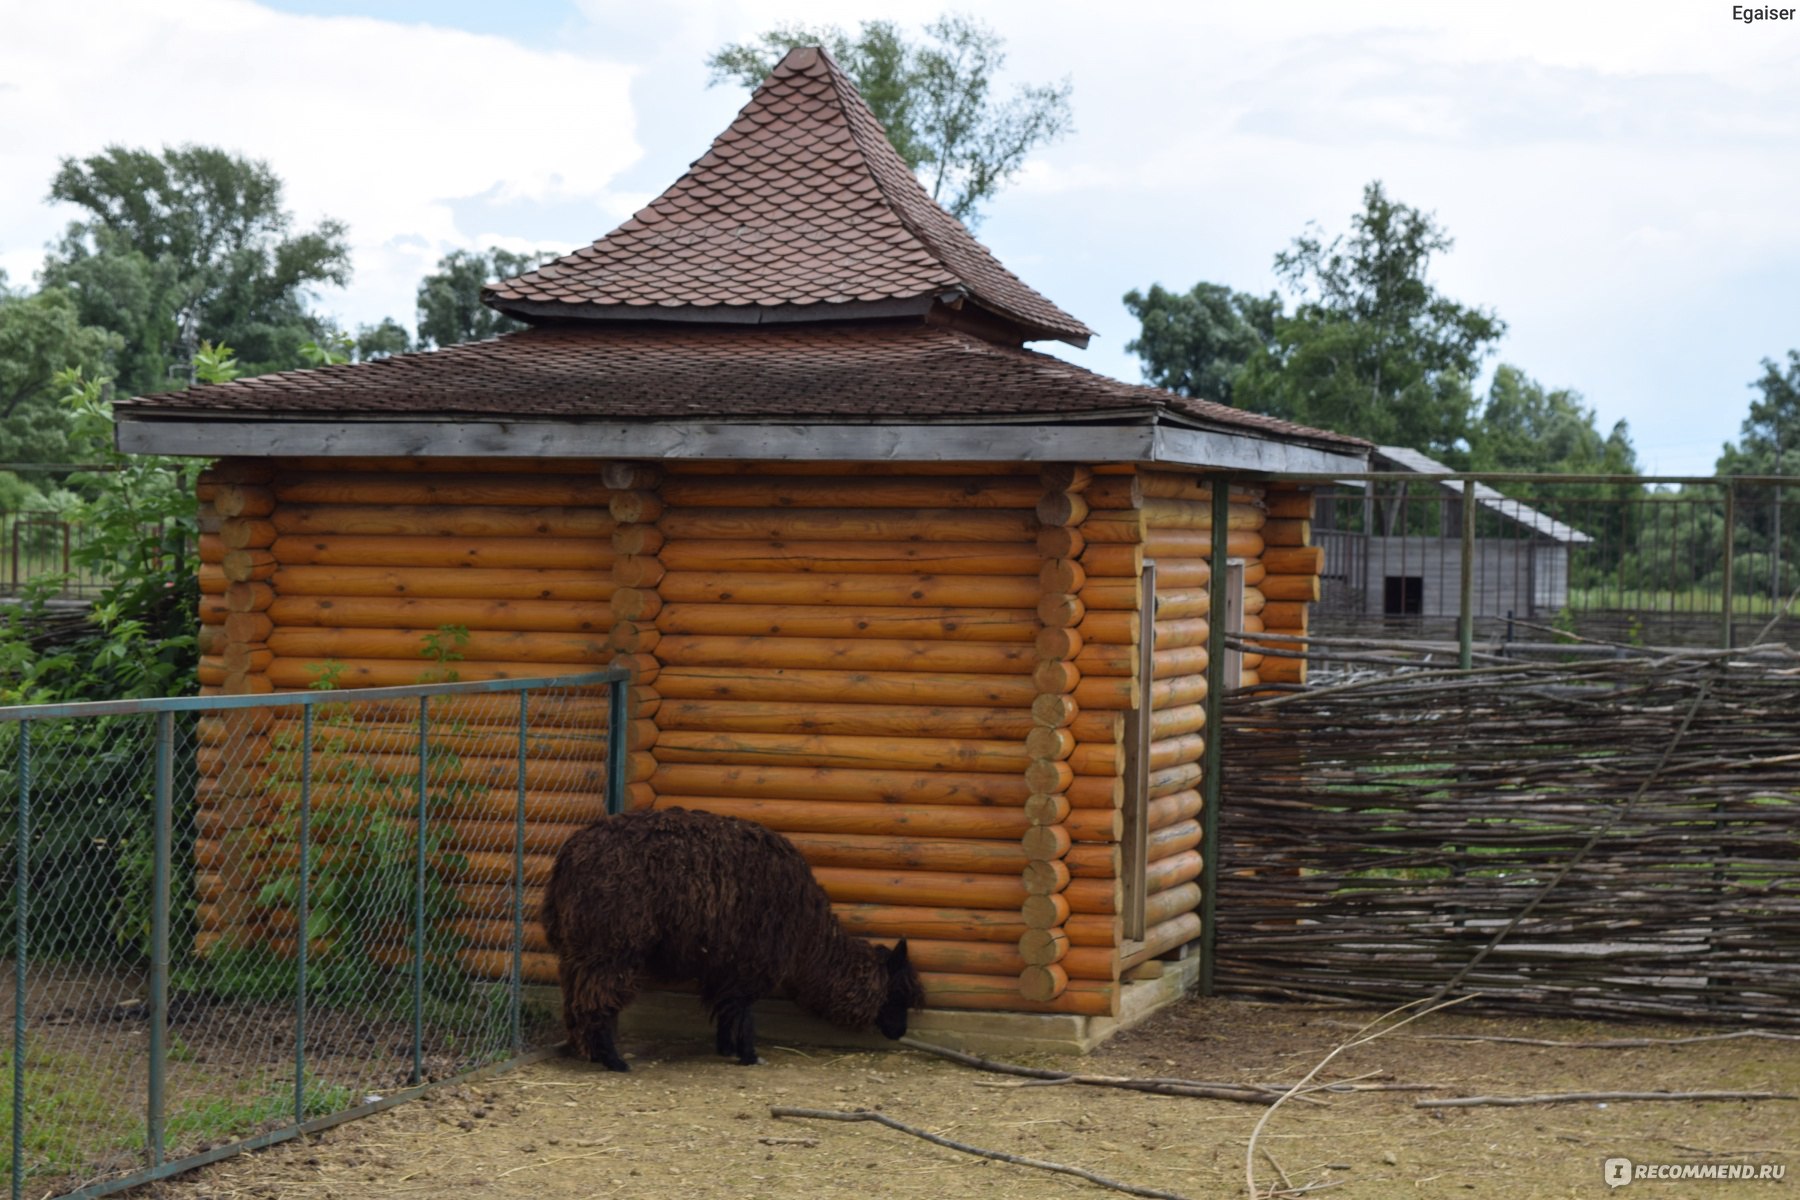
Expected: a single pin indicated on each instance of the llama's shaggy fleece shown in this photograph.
(673, 895)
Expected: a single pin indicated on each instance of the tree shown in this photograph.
(186, 245)
(1198, 342)
(934, 99)
(1370, 349)
(450, 307)
(41, 336)
(380, 341)
(1525, 426)
(1769, 444)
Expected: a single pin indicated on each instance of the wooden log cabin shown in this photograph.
(776, 445)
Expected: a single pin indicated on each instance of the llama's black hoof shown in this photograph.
(617, 1064)
(755, 1060)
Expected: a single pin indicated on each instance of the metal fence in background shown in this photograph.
(1645, 561)
(234, 919)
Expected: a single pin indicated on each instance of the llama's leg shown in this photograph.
(592, 1002)
(726, 1041)
(744, 1038)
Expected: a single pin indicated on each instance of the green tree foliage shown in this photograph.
(1769, 444)
(41, 336)
(189, 244)
(379, 341)
(1371, 347)
(450, 307)
(935, 99)
(1525, 426)
(1198, 342)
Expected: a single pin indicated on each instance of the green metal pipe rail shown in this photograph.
(163, 711)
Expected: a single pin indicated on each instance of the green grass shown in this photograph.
(1584, 601)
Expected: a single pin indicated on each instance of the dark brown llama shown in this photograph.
(671, 895)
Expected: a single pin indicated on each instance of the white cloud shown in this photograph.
(377, 124)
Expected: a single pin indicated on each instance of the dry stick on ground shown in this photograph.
(1606, 1043)
(1243, 1093)
(1583, 1097)
(1362, 1037)
(821, 1114)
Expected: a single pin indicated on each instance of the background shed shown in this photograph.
(879, 572)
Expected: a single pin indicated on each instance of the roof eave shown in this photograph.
(715, 314)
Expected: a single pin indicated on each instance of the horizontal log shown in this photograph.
(1099, 726)
(1287, 532)
(1197, 543)
(1115, 492)
(1061, 575)
(443, 583)
(1044, 877)
(1102, 593)
(1091, 963)
(431, 551)
(1041, 946)
(851, 524)
(1283, 503)
(1165, 513)
(445, 521)
(249, 597)
(1046, 743)
(987, 992)
(859, 752)
(1168, 903)
(1095, 792)
(929, 888)
(1115, 527)
(1060, 541)
(1118, 559)
(1174, 722)
(846, 785)
(391, 487)
(1047, 809)
(1094, 860)
(635, 604)
(1048, 777)
(244, 566)
(1100, 896)
(483, 645)
(637, 539)
(1183, 631)
(1178, 690)
(1095, 824)
(851, 557)
(1285, 616)
(632, 507)
(248, 627)
(1061, 508)
(1054, 711)
(1293, 560)
(846, 686)
(1290, 587)
(1054, 678)
(246, 533)
(1254, 572)
(372, 612)
(210, 670)
(286, 734)
(1183, 573)
(1110, 693)
(1044, 912)
(1095, 929)
(849, 654)
(1061, 611)
(769, 587)
(1174, 808)
(297, 673)
(852, 491)
(1169, 752)
(1185, 660)
(212, 549)
(1282, 670)
(247, 657)
(1171, 872)
(988, 822)
(1165, 936)
(638, 571)
(834, 621)
(940, 924)
(1173, 839)
(880, 468)
(1105, 659)
(885, 852)
(1183, 604)
(736, 716)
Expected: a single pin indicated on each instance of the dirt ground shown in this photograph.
(685, 1123)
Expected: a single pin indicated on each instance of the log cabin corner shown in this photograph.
(939, 608)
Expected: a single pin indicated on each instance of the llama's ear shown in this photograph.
(898, 957)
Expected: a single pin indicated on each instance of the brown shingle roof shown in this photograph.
(802, 209)
(869, 371)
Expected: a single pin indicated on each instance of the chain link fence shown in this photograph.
(232, 919)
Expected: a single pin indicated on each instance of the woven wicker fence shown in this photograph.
(1643, 814)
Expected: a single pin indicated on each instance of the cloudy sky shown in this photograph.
(1622, 179)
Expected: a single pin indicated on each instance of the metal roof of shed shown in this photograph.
(1513, 510)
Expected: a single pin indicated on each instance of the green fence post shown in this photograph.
(518, 956)
(1730, 539)
(1465, 630)
(1213, 756)
(418, 982)
(161, 823)
(21, 944)
(303, 909)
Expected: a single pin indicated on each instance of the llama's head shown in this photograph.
(904, 992)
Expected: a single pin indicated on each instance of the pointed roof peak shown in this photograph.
(801, 210)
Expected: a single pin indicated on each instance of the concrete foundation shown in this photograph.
(674, 1016)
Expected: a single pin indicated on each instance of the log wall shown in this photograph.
(921, 674)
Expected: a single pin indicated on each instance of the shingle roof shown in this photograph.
(1408, 459)
(871, 371)
(802, 209)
